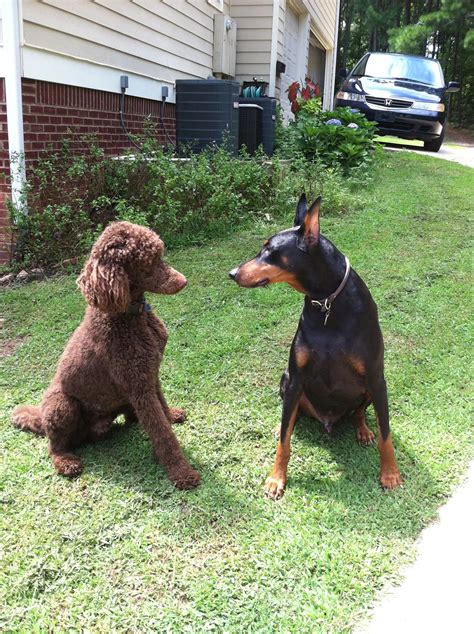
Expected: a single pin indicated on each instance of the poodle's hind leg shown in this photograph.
(65, 430)
(28, 418)
(174, 414)
(99, 428)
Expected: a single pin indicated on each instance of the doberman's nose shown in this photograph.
(233, 273)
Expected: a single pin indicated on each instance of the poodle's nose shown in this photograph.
(233, 273)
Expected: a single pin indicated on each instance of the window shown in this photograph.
(218, 4)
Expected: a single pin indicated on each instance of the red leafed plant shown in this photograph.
(310, 90)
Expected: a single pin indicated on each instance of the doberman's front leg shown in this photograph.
(390, 476)
(167, 450)
(364, 435)
(276, 481)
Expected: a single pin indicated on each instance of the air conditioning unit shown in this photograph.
(225, 45)
(207, 113)
(266, 122)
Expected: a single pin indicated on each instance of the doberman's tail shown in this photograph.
(29, 419)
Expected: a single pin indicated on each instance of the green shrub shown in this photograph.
(341, 139)
(76, 190)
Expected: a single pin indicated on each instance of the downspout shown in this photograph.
(13, 71)
(334, 56)
(274, 48)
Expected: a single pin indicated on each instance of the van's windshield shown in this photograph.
(402, 67)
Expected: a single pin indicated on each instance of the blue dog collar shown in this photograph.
(139, 307)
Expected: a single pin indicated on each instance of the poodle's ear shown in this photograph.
(105, 285)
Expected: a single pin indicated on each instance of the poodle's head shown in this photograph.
(125, 262)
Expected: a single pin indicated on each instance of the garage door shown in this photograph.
(290, 58)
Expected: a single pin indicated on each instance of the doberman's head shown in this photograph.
(286, 256)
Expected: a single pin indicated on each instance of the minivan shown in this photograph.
(405, 95)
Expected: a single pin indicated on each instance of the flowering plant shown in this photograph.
(298, 95)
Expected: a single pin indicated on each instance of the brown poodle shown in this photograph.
(110, 365)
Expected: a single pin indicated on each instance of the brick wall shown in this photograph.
(5, 241)
(51, 110)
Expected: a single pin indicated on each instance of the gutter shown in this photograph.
(274, 48)
(13, 71)
(334, 54)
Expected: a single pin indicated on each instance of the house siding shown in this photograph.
(166, 40)
(254, 38)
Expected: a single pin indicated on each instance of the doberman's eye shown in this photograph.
(272, 255)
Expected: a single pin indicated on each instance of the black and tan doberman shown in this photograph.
(336, 364)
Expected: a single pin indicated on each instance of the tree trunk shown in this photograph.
(347, 32)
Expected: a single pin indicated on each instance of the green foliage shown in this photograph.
(311, 107)
(345, 147)
(73, 192)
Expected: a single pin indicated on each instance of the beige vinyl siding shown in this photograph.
(166, 39)
(323, 18)
(254, 38)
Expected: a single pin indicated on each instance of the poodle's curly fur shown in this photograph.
(110, 365)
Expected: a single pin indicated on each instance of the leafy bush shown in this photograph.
(76, 190)
(342, 139)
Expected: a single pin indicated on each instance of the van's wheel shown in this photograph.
(433, 146)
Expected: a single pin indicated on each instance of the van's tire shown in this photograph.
(434, 146)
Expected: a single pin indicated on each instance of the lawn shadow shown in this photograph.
(124, 459)
(356, 484)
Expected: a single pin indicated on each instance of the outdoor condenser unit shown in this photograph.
(207, 112)
(266, 135)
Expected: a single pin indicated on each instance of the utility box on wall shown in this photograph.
(225, 45)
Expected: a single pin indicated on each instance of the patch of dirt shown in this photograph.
(462, 136)
(8, 346)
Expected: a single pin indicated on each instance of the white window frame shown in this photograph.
(217, 4)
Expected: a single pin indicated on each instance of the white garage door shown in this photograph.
(290, 58)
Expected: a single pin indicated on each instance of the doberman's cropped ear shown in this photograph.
(301, 208)
(310, 225)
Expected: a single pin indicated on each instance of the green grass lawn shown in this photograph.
(119, 549)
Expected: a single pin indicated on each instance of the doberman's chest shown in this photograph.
(332, 374)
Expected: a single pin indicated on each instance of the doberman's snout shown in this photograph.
(233, 273)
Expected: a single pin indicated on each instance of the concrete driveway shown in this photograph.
(458, 153)
(436, 596)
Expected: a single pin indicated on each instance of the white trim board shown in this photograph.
(61, 69)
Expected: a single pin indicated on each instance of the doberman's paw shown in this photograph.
(177, 415)
(184, 477)
(391, 480)
(68, 465)
(274, 487)
(365, 437)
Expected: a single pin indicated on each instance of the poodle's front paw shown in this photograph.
(67, 464)
(178, 415)
(184, 477)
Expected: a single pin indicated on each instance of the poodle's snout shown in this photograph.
(179, 280)
(182, 282)
(233, 273)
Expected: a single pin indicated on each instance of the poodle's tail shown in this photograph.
(29, 419)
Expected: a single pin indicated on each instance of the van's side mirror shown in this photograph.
(453, 86)
(343, 72)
